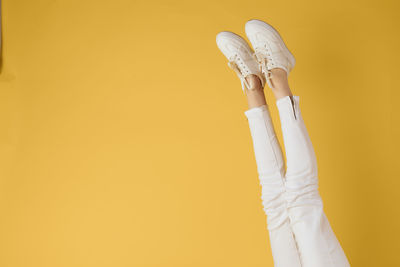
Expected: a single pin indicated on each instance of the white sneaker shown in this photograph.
(270, 50)
(240, 55)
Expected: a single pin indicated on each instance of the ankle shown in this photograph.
(279, 77)
(254, 82)
(280, 84)
(281, 93)
(255, 97)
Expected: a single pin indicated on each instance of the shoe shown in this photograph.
(240, 57)
(270, 50)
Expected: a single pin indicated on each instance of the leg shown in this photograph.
(270, 166)
(266, 147)
(316, 241)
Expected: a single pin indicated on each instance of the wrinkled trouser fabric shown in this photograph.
(300, 233)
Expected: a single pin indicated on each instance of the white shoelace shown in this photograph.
(263, 56)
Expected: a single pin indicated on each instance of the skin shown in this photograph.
(280, 88)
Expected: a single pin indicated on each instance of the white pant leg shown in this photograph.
(270, 166)
(317, 243)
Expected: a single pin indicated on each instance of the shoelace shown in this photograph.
(263, 56)
(233, 65)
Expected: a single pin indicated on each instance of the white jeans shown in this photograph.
(299, 231)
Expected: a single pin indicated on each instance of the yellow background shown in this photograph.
(123, 140)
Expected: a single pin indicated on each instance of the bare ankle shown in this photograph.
(255, 97)
(280, 84)
(279, 77)
(254, 82)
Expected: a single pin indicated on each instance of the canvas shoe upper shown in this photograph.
(240, 56)
(270, 50)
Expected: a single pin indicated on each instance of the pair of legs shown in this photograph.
(300, 233)
(256, 97)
